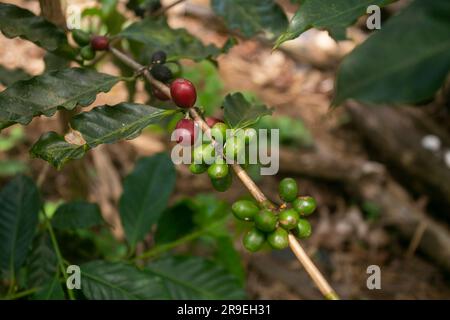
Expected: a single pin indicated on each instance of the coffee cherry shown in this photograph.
(159, 94)
(158, 57)
(183, 93)
(219, 131)
(222, 184)
(198, 168)
(211, 121)
(304, 205)
(266, 221)
(253, 240)
(100, 43)
(234, 147)
(218, 170)
(288, 189)
(278, 239)
(161, 73)
(87, 53)
(80, 37)
(288, 219)
(302, 229)
(204, 153)
(185, 132)
(244, 210)
(249, 135)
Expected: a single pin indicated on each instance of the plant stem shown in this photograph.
(320, 281)
(22, 294)
(166, 8)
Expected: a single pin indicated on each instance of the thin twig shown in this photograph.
(163, 10)
(256, 192)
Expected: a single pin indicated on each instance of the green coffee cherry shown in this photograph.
(234, 147)
(80, 37)
(244, 210)
(249, 135)
(218, 170)
(198, 168)
(222, 184)
(288, 219)
(278, 239)
(253, 240)
(303, 229)
(204, 153)
(87, 53)
(219, 131)
(288, 189)
(304, 205)
(266, 221)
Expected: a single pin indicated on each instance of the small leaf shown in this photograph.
(9, 76)
(239, 113)
(146, 192)
(102, 280)
(19, 22)
(332, 15)
(51, 290)
(190, 278)
(178, 43)
(406, 61)
(19, 208)
(175, 222)
(250, 17)
(77, 215)
(42, 95)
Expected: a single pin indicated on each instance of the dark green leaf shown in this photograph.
(19, 208)
(42, 95)
(405, 62)
(178, 43)
(146, 192)
(195, 278)
(18, 22)
(9, 76)
(117, 281)
(175, 222)
(250, 17)
(332, 15)
(105, 124)
(240, 113)
(77, 215)
(51, 290)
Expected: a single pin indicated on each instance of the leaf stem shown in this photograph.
(22, 294)
(317, 277)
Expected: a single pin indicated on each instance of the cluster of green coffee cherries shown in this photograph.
(273, 226)
(89, 44)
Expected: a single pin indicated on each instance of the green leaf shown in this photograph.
(44, 94)
(195, 278)
(240, 113)
(77, 215)
(102, 280)
(250, 17)
(105, 124)
(51, 290)
(9, 76)
(404, 62)
(229, 258)
(146, 192)
(175, 222)
(332, 15)
(292, 131)
(19, 208)
(18, 22)
(178, 43)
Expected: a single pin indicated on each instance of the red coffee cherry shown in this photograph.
(159, 94)
(100, 43)
(183, 93)
(211, 121)
(186, 132)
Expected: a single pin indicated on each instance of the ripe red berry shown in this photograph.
(183, 93)
(159, 94)
(100, 43)
(211, 121)
(186, 132)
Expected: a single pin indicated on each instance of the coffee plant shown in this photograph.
(40, 243)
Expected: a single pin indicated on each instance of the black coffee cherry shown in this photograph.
(161, 73)
(159, 57)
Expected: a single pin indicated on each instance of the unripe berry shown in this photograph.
(222, 184)
(253, 240)
(234, 147)
(218, 170)
(87, 53)
(288, 219)
(197, 168)
(159, 94)
(278, 239)
(219, 131)
(244, 210)
(100, 43)
(185, 132)
(211, 121)
(161, 73)
(266, 221)
(302, 229)
(80, 37)
(249, 135)
(158, 57)
(304, 205)
(288, 189)
(204, 153)
(183, 93)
